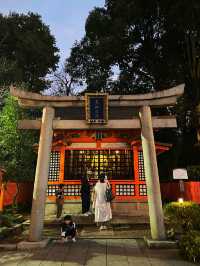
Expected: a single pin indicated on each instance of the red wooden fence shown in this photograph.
(24, 195)
(171, 191)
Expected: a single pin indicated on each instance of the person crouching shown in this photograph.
(68, 229)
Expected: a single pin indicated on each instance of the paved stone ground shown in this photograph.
(94, 252)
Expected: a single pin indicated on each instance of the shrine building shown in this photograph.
(117, 153)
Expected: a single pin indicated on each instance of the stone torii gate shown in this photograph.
(145, 121)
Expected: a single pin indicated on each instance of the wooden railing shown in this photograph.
(123, 190)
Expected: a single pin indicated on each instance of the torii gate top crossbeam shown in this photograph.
(157, 99)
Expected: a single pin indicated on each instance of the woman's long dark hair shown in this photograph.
(84, 180)
(101, 178)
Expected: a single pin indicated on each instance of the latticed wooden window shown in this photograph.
(125, 189)
(51, 191)
(69, 189)
(72, 190)
(116, 164)
(54, 167)
(143, 190)
(141, 166)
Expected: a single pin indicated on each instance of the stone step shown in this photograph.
(92, 231)
(89, 220)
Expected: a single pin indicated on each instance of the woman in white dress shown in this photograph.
(102, 208)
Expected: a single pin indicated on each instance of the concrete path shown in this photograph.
(94, 252)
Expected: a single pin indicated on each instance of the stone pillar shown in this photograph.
(41, 175)
(151, 173)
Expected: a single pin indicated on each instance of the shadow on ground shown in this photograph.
(121, 252)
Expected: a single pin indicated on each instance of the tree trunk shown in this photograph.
(14, 204)
(198, 122)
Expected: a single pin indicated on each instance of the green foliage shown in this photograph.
(153, 44)
(181, 217)
(85, 69)
(194, 172)
(16, 151)
(8, 72)
(8, 218)
(27, 50)
(190, 246)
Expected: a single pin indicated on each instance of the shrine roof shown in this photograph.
(160, 146)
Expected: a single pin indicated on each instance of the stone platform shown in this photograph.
(126, 208)
(80, 219)
(92, 232)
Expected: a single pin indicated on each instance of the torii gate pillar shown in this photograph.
(152, 177)
(41, 175)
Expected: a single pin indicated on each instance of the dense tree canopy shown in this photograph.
(144, 43)
(27, 50)
(17, 155)
(27, 54)
(137, 46)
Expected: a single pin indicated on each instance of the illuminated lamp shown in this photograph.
(180, 200)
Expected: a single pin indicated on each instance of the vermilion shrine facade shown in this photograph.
(117, 153)
(121, 145)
